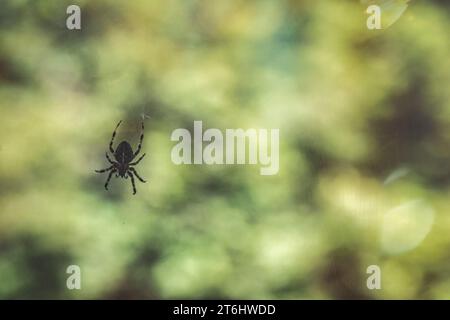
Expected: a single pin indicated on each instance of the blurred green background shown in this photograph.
(364, 178)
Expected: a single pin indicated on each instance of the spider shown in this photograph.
(123, 155)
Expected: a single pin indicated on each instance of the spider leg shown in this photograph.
(109, 159)
(104, 170)
(132, 182)
(112, 138)
(140, 141)
(109, 178)
(136, 162)
(133, 170)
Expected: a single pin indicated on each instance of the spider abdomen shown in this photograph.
(124, 153)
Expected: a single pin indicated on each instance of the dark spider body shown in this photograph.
(124, 155)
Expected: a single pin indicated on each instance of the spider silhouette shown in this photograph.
(123, 167)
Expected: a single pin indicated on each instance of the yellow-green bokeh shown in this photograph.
(364, 119)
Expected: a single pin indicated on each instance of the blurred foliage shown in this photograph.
(364, 179)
